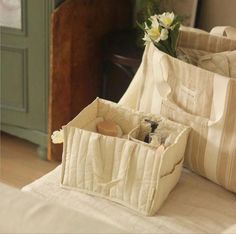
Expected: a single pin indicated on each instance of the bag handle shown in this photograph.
(227, 31)
(165, 90)
(98, 161)
(162, 86)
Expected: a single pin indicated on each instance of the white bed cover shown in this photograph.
(196, 205)
(22, 213)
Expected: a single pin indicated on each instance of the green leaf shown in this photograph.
(174, 37)
(161, 47)
(141, 26)
(177, 20)
(167, 45)
(149, 23)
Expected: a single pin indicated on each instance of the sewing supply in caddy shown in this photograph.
(154, 126)
(159, 134)
(109, 128)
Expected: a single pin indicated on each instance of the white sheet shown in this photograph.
(195, 206)
(22, 213)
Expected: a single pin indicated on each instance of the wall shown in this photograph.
(216, 13)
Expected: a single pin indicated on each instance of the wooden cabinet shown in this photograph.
(78, 30)
(38, 98)
(25, 69)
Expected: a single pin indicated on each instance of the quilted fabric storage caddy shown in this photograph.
(124, 170)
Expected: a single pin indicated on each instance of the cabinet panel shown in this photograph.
(13, 79)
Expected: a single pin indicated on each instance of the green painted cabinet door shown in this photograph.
(25, 68)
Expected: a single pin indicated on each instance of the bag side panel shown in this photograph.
(205, 42)
(226, 164)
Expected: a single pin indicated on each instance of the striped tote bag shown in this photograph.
(194, 96)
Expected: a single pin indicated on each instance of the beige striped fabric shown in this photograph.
(226, 31)
(223, 63)
(204, 100)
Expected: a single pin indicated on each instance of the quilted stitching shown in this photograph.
(121, 170)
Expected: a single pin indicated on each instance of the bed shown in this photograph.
(28, 214)
(196, 205)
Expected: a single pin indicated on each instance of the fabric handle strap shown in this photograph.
(98, 163)
(226, 31)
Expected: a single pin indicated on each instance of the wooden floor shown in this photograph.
(19, 162)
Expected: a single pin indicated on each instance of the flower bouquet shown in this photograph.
(162, 30)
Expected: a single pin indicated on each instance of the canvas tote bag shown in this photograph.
(204, 100)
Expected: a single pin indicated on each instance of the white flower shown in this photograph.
(164, 34)
(146, 27)
(166, 19)
(154, 20)
(147, 39)
(57, 137)
(155, 32)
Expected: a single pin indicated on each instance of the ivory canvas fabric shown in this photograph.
(204, 100)
(195, 206)
(127, 171)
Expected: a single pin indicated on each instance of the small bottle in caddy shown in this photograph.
(158, 134)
